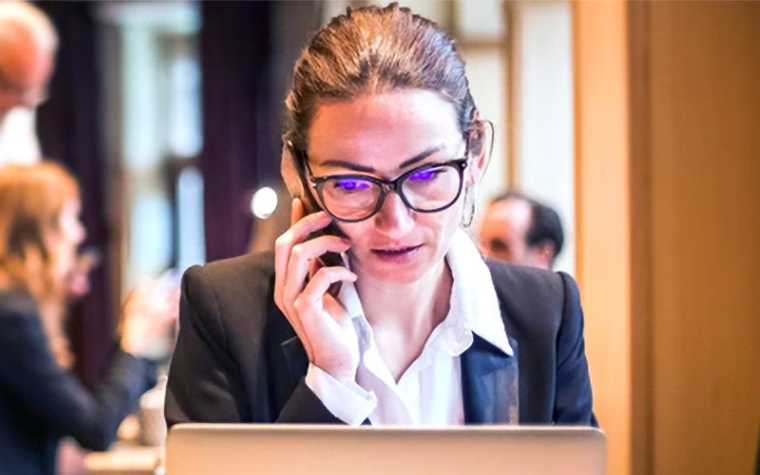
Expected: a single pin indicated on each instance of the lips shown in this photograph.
(396, 254)
(397, 250)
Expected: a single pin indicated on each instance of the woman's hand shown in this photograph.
(150, 315)
(320, 321)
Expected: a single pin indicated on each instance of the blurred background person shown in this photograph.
(518, 229)
(28, 43)
(41, 400)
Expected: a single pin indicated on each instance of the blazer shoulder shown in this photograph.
(18, 306)
(529, 296)
(21, 330)
(245, 271)
(228, 276)
(235, 293)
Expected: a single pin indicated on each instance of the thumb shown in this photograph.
(296, 212)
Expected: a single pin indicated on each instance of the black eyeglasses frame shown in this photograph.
(387, 186)
(301, 164)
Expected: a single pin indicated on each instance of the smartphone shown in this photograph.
(310, 205)
(328, 259)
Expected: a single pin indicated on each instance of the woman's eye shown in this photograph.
(351, 185)
(424, 175)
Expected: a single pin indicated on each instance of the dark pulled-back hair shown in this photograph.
(373, 50)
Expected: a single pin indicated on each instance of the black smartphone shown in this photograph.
(328, 259)
(310, 205)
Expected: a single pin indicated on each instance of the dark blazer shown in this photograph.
(238, 359)
(40, 402)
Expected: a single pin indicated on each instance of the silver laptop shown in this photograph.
(238, 449)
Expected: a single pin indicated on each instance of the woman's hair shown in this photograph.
(373, 50)
(31, 200)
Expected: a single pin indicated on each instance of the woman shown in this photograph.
(41, 401)
(384, 141)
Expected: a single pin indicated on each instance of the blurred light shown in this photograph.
(264, 203)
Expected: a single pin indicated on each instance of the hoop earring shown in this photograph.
(468, 212)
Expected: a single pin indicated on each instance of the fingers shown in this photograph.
(138, 298)
(308, 305)
(296, 211)
(170, 308)
(295, 254)
(149, 300)
(311, 297)
(306, 225)
(297, 233)
(301, 257)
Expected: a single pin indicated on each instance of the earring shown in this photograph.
(468, 211)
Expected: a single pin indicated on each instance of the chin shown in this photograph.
(397, 271)
(401, 277)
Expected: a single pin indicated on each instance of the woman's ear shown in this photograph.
(290, 173)
(481, 146)
(295, 179)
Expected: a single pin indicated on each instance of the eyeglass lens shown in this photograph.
(355, 198)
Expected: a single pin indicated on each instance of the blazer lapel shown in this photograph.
(296, 357)
(490, 384)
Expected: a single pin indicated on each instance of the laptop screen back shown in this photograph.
(237, 449)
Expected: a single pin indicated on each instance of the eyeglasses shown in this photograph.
(429, 188)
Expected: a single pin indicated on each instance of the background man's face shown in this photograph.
(503, 233)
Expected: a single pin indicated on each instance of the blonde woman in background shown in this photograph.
(41, 400)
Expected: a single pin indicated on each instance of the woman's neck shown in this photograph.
(412, 309)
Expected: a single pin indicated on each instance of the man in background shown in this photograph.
(520, 230)
(28, 42)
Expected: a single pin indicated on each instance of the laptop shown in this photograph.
(238, 449)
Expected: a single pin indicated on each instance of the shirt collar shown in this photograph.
(474, 288)
(474, 305)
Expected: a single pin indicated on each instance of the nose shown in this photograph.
(394, 219)
(81, 234)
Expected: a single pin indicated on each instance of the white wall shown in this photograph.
(543, 94)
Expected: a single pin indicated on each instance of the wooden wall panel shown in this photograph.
(668, 195)
(705, 176)
(602, 221)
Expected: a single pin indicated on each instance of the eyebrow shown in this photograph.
(361, 168)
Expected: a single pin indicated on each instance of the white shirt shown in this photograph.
(429, 393)
(18, 139)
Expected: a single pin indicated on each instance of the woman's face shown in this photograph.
(383, 136)
(69, 236)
